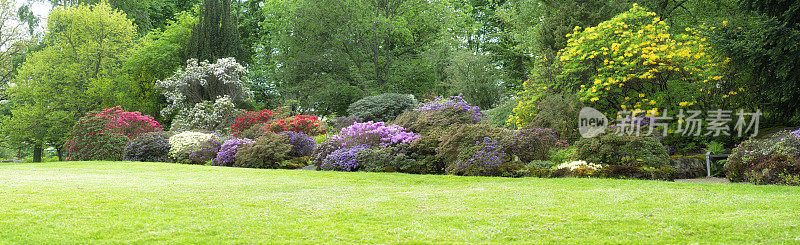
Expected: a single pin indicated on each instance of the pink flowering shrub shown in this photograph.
(104, 135)
(374, 134)
(130, 124)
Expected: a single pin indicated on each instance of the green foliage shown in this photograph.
(327, 54)
(475, 77)
(382, 107)
(149, 147)
(423, 122)
(559, 113)
(637, 172)
(72, 75)
(499, 115)
(624, 150)
(216, 35)
(564, 155)
(269, 151)
(389, 159)
(715, 148)
(156, 56)
(768, 161)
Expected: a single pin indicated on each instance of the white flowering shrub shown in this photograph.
(201, 82)
(217, 116)
(182, 144)
(573, 165)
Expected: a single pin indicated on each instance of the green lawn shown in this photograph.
(122, 202)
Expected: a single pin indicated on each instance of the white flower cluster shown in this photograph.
(180, 145)
(578, 164)
(203, 81)
(206, 116)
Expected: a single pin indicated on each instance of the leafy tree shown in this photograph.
(216, 35)
(73, 75)
(329, 53)
(763, 42)
(146, 14)
(475, 77)
(156, 56)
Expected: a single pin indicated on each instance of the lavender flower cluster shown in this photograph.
(489, 155)
(302, 144)
(227, 152)
(344, 159)
(796, 133)
(457, 102)
(374, 133)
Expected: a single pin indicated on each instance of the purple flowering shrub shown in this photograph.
(227, 151)
(485, 158)
(534, 144)
(461, 137)
(206, 151)
(322, 151)
(302, 144)
(439, 114)
(775, 160)
(344, 159)
(374, 134)
(148, 147)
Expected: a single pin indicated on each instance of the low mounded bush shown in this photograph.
(388, 159)
(439, 114)
(90, 140)
(322, 151)
(775, 160)
(374, 134)
(148, 147)
(104, 135)
(622, 150)
(534, 144)
(269, 151)
(344, 159)
(302, 144)
(227, 152)
(382, 107)
(485, 158)
(207, 150)
(461, 137)
(185, 143)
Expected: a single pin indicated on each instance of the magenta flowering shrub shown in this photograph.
(453, 102)
(485, 158)
(130, 124)
(302, 144)
(374, 134)
(774, 160)
(344, 159)
(227, 152)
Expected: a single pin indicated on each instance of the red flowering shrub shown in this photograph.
(307, 124)
(248, 119)
(103, 135)
(90, 140)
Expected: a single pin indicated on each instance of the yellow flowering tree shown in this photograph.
(630, 62)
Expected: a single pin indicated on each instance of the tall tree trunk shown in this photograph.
(60, 151)
(37, 153)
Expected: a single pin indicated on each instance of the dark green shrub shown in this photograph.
(559, 113)
(775, 160)
(389, 159)
(423, 150)
(269, 151)
(623, 150)
(559, 156)
(498, 116)
(484, 158)
(149, 147)
(439, 114)
(533, 144)
(382, 107)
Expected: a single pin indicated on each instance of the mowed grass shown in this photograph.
(126, 202)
